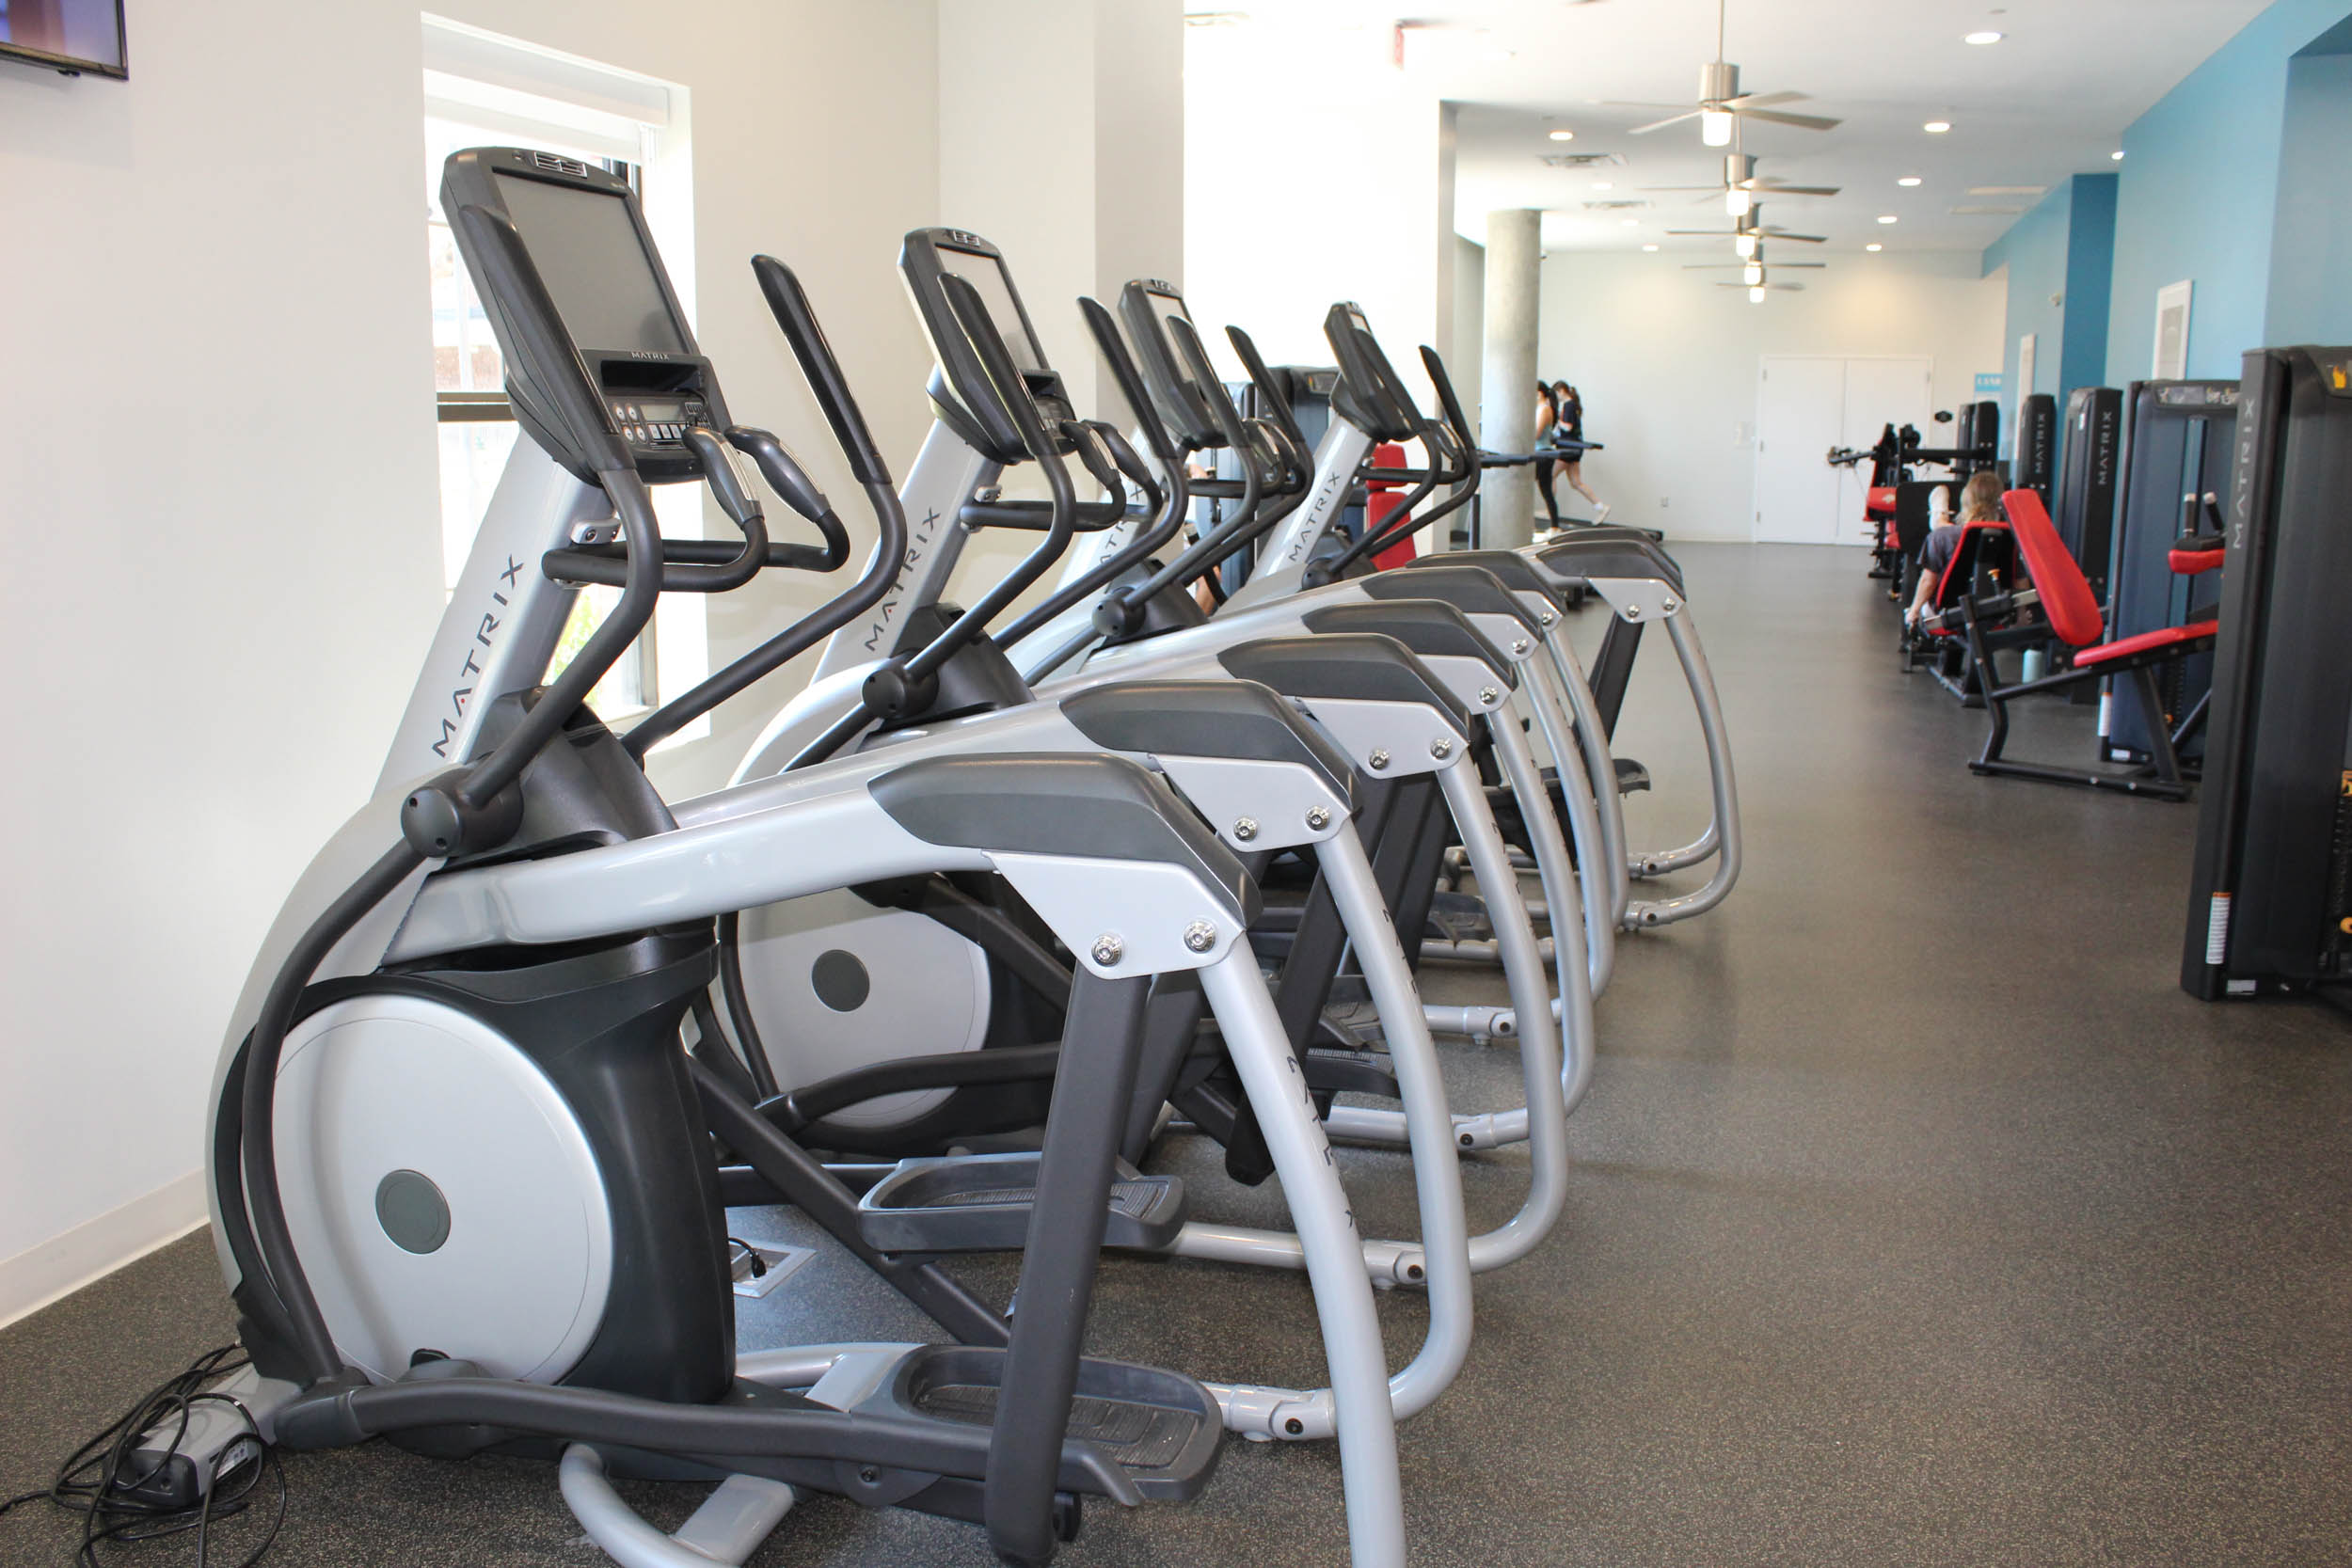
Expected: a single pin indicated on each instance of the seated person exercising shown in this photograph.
(1979, 502)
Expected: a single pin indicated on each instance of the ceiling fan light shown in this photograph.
(1715, 127)
(1745, 246)
(1754, 274)
(1755, 294)
(1737, 201)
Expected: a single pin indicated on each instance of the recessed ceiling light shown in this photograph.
(1886, 217)
(1631, 222)
(1874, 248)
(1936, 127)
(1564, 136)
(1603, 185)
(1982, 38)
(2117, 154)
(1908, 181)
(1649, 248)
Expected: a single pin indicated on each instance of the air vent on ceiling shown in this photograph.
(1614, 206)
(1584, 159)
(555, 164)
(2010, 211)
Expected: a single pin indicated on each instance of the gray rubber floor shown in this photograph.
(1917, 1218)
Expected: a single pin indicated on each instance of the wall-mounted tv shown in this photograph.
(70, 36)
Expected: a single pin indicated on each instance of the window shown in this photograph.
(485, 90)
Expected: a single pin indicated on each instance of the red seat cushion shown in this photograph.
(1882, 500)
(2163, 636)
(2066, 595)
(2189, 563)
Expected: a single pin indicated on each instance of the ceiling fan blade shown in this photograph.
(1807, 123)
(1764, 100)
(1766, 188)
(1661, 124)
(1801, 239)
(1814, 266)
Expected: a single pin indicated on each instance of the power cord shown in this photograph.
(98, 1481)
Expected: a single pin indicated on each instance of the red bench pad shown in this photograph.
(2189, 563)
(2163, 636)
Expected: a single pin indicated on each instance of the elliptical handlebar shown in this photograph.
(1278, 408)
(1167, 506)
(822, 371)
(980, 328)
(1450, 445)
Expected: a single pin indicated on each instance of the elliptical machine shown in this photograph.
(462, 1174)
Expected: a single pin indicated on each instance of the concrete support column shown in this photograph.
(1506, 419)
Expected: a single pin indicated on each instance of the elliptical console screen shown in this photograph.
(987, 275)
(595, 267)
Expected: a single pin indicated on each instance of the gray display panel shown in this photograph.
(594, 266)
(987, 275)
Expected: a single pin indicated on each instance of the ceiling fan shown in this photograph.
(1721, 104)
(1749, 232)
(1741, 185)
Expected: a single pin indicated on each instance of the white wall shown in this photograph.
(1467, 343)
(220, 504)
(1062, 140)
(1668, 363)
(1312, 173)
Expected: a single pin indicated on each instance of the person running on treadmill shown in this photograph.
(1546, 415)
(1979, 502)
(1568, 426)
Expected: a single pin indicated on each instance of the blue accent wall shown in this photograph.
(2034, 251)
(2311, 241)
(2201, 197)
(2061, 257)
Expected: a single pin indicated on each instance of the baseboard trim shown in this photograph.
(56, 1268)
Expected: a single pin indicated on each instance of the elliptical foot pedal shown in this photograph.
(1458, 917)
(1160, 1427)
(1632, 775)
(982, 1203)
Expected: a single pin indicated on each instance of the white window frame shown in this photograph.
(531, 95)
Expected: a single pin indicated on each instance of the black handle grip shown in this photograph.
(550, 362)
(1128, 462)
(1457, 421)
(1197, 365)
(980, 329)
(783, 473)
(1130, 379)
(719, 473)
(1277, 405)
(788, 303)
(1086, 439)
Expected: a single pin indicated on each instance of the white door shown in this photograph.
(1800, 414)
(1879, 392)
